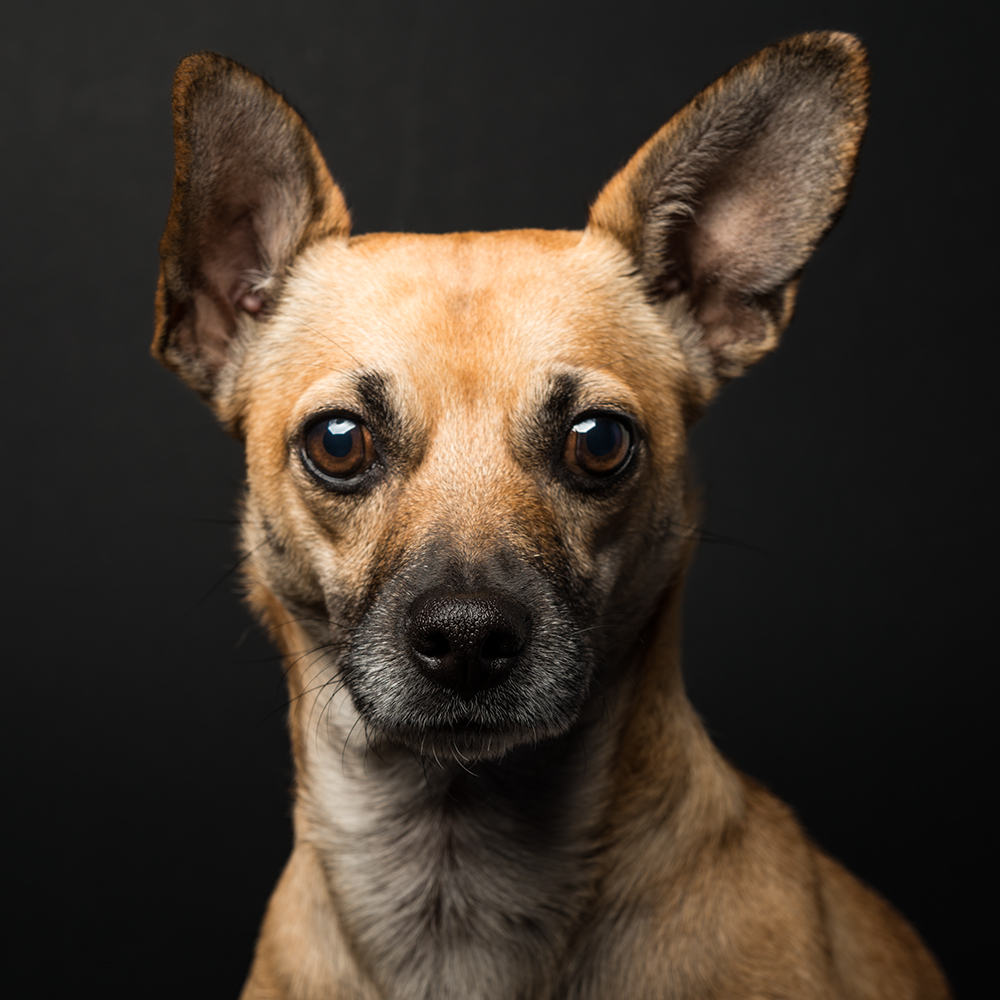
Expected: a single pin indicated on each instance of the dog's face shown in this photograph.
(466, 453)
(465, 461)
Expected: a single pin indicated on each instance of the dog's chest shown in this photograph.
(453, 885)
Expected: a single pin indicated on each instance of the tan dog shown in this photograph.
(465, 523)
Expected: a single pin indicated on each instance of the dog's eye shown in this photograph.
(598, 446)
(339, 448)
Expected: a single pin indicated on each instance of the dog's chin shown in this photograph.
(487, 726)
(465, 743)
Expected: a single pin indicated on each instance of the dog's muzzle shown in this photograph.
(452, 657)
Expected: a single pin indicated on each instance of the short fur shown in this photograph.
(563, 828)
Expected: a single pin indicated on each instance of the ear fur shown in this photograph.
(725, 204)
(251, 191)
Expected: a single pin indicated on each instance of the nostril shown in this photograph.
(500, 644)
(432, 643)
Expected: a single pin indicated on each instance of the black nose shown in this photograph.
(467, 642)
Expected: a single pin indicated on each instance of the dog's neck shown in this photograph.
(472, 878)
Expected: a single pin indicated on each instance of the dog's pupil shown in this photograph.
(603, 437)
(339, 437)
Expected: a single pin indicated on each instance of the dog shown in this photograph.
(466, 525)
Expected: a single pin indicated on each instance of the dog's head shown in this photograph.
(466, 453)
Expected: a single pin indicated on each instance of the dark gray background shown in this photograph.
(836, 647)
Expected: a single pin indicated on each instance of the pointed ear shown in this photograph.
(251, 191)
(724, 205)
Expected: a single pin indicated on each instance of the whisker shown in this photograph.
(350, 732)
(326, 337)
(222, 579)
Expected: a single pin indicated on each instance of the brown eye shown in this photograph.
(598, 446)
(339, 448)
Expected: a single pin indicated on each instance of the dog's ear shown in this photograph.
(725, 204)
(251, 191)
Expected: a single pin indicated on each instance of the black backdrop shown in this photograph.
(833, 646)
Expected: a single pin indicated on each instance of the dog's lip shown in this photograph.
(467, 726)
(469, 742)
(461, 727)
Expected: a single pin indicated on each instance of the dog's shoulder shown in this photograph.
(876, 952)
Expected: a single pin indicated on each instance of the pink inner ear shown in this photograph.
(252, 303)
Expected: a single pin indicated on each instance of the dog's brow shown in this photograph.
(373, 389)
(568, 392)
(560, 401)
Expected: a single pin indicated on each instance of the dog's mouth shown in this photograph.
(468, 672)
(464, 740)
(526, 699)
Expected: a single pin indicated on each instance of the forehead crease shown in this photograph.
(465, 279)
(472, 315)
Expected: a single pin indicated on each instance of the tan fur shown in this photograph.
(589, 848)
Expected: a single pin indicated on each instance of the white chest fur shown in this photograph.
(454, 882)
